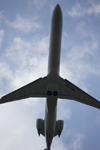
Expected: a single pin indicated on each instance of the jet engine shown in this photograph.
(40, 126)
(59, 127)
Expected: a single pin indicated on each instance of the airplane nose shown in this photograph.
(57, 8)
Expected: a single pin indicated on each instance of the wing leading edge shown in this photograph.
(67, 90)
(37, 88)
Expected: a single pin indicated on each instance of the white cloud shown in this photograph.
(1, 15)
(18, 126)
(1, 36)
(24, 61)
(77, 141)
(38, 4)
(1, 31)
(64, 115)
(82, 61)
(81, 53)
(78, 10)
(25, 25)
(58, 144)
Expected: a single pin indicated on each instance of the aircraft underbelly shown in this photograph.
(55, 42)
(50, 119)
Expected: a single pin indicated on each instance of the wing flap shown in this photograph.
(67, 90)
(37, 88)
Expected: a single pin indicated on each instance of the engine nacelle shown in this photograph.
(59, 127)
(40, 126)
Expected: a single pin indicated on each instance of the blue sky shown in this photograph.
(24, 46)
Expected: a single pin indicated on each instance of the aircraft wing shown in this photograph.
(38, 88)
(67, 90)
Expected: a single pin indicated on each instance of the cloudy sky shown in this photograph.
(24, 45)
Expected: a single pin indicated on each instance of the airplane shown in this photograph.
(52, 86)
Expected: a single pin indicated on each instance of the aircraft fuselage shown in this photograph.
(53, 74)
